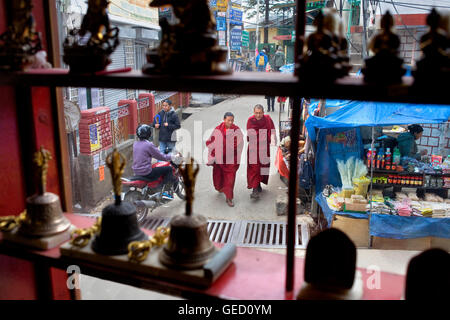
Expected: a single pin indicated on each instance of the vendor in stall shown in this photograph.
(407, 142)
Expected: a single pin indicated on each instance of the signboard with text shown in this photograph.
(222, 4)
(245, 38)
(236, 16)
(236, 38)
(236, 3)
(221, 23)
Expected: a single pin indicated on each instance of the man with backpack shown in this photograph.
(261, 61)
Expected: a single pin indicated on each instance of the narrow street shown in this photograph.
(208, 201)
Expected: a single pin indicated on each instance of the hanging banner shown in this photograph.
(236, 38)
(134, 9)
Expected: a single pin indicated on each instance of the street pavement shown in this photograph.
(207, 201)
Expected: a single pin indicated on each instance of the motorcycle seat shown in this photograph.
(136, 178)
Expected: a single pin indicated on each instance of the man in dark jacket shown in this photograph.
(167, 122)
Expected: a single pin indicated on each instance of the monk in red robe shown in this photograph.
(260, 135)
(224, 155)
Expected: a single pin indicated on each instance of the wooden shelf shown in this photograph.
(252, 83)
(387, 185)
(383, 171)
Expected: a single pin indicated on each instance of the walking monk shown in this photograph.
(224, 154)
(260, 135)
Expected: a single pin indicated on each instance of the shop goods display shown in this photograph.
(325, 58)
(20, 44)
(385, 67)
(87, 49)
(190, 46)
(42, 225)
(349, 170)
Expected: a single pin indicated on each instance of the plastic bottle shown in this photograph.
(397, 156)
(388, 158)
(380, 158)
(369, 157)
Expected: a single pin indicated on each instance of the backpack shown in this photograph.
(261, 60)
(307, 175)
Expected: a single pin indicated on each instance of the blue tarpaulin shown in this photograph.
(359, 113)
(397, 227)
(335, 129)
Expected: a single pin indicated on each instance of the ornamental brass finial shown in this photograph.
(189, 175)
(116, 164)
(41, 159)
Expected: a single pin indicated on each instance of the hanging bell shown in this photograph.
(44, 216)
(119, 227)
(189, 246)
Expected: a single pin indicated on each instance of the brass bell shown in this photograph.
(119, 227)
(189, 246)
(44, 216)
(119, 224)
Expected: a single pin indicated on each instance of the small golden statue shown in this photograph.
(87, 49)
(41, 159)
(385, 66)
(20, 42)
(189, 47)
(116, 164)
(189, 174)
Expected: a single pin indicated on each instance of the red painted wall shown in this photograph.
(17, 276)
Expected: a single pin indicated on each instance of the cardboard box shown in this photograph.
(357, 207)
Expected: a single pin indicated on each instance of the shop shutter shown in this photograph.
(112, 96)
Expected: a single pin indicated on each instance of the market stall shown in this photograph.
(404, 198)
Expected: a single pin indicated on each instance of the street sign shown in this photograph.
(221, 23)
(236, 38)
(236, 16)
(245, 38)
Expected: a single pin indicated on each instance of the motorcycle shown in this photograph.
(147, 194)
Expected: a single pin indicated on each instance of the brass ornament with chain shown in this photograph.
(139, 250)
(81, 237)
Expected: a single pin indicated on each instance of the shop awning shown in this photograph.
(361, 113)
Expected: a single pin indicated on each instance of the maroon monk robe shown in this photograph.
(224, 154)
(259, 134)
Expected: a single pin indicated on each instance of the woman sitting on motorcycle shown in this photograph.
(143, 153)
